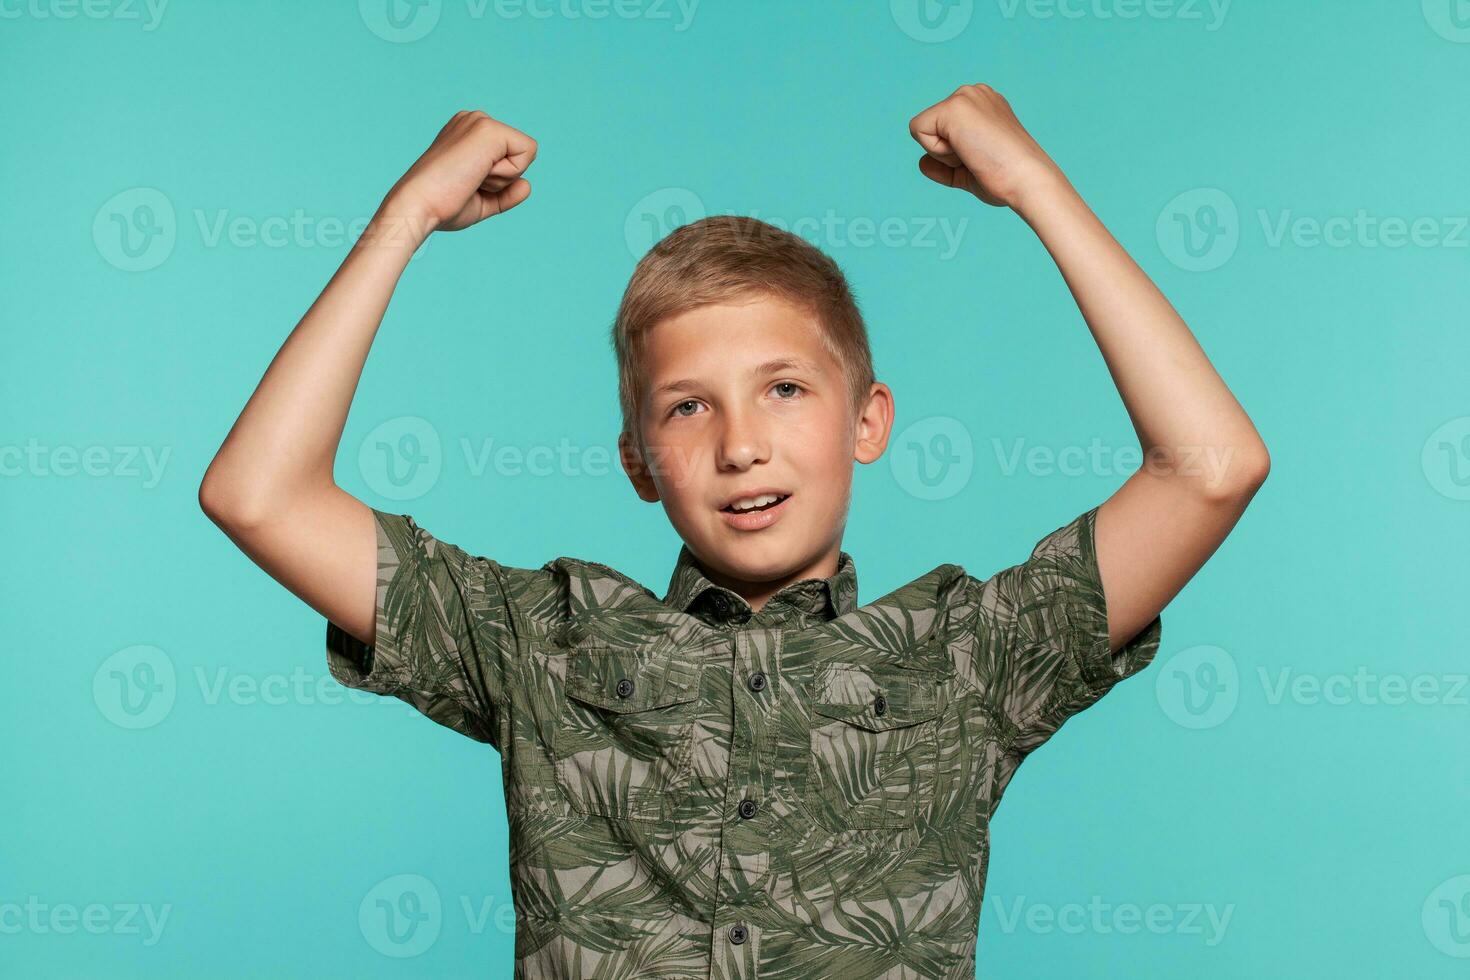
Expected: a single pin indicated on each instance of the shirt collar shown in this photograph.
(824, 598)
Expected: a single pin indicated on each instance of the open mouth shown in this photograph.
(768, 501)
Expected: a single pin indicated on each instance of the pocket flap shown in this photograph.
(877, 698)
(630, 680)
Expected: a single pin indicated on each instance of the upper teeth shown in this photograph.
(746, 503)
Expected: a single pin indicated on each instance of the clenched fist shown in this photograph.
(972, 140)
(471, 171)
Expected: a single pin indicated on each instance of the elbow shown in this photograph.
(1243, 471)
(224, 503)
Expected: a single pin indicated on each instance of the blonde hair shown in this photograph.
(726, 257)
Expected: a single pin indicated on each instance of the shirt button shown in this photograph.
(757, 681)
(747, 809)
(737, 933)
(880, 705)
(625, 687)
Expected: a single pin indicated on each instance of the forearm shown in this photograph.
(1189, 425)
(285, 440)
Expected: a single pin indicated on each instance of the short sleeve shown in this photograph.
(1041, 637)
(447, 637)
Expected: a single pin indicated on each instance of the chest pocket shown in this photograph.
(623, 744)
(874, 747)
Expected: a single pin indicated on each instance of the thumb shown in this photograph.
(502, 201)
(939, 172)
(960, 177)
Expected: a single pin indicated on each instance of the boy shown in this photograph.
(753, 776)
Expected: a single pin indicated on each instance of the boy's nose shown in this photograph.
(743, 443)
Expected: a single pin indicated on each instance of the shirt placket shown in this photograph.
(747, 831)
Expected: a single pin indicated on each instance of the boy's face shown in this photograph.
(741, 399)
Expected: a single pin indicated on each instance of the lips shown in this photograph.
(767, 503)
(757, 517)
(749, 493)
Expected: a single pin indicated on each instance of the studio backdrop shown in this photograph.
(189, 793)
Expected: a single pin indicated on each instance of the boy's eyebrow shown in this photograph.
(765, 367)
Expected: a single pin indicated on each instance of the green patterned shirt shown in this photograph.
(694, 789)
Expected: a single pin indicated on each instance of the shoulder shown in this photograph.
(913, 622)
(1066, 554)
(565, 590)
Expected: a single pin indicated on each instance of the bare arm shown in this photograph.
(1204, 459)
(270, 486)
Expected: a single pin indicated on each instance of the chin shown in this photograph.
(757, 561)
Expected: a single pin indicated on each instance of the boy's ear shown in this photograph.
(636, 468)
(874, 424)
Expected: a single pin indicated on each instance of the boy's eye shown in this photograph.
(788, 391)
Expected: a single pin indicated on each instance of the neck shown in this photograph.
(758, 593)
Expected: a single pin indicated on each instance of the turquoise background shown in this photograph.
(263, 820)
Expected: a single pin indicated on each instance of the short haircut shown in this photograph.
(728, 257)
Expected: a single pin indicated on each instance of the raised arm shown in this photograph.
(1203, 459)
(270, 487)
